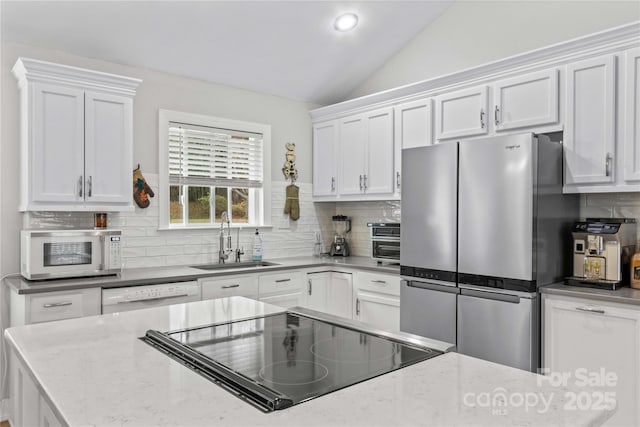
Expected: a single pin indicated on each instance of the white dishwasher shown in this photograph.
(138, 297)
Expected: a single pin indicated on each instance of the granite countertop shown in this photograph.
(158, 275)
(623, 295)
(95, 371)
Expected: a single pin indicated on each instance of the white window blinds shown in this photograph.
(207, 156)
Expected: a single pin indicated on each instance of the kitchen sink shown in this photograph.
(246, 264)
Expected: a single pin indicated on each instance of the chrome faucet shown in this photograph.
(238, 250)
(225, 239)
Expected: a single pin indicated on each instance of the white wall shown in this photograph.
(289, 122)
(471, 33)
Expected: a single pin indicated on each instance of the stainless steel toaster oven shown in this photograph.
(385, 241)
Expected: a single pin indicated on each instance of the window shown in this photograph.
(209, 166)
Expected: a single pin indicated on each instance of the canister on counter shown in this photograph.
(635, 271)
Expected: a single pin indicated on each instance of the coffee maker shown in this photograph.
(602, 249)
(341, 226)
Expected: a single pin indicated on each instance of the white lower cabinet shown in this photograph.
(282, 289)
(58, 305)
(584, 337)
(377, 300)
(330, 292)
(28, 406)
(229, 286)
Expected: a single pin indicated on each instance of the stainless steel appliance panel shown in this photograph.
(498, 327)
(496, 206)
(429, 207)
(429, 309)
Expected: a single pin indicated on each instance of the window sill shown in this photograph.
(215, 227)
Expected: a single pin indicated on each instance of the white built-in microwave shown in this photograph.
(49, 254)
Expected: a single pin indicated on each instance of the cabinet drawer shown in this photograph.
(218, 287)
(376, 282)
(64, 305)
(281, 282)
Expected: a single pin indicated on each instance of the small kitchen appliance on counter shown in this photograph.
(53, 254)
(602, 250)
(279, 360)
(341, 226)
(385, 242)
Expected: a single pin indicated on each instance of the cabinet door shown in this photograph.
(317, 290)
(525, 101)
(340, 295)
(57, 155)
(325, 139)
(632, 117)
(590, 132)
(382, 311)
(245, 286)
(379, 177)
(352, 155)
(580, 334)
(462, 113)
(108, 148)
(413, 124)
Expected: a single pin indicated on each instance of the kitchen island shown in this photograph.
(95, 371)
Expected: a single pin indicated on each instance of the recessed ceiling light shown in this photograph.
(346, 22)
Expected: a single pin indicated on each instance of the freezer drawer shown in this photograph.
(499, 328)
(429, 310)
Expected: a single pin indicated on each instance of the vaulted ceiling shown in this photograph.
(284, 48)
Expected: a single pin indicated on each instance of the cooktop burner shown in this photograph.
(283, 359)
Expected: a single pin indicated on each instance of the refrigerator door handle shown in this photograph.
(432, 287)
(491, 296)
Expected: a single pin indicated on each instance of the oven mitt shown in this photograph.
(292, 205)
(141, 190)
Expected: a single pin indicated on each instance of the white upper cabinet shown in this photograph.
(413, 122)
(366, 154)
(352, 155)
(462, 113)
(325, 141)
(526, 101)
(632, 117)
(589, 136)
(379, 177)
(57, 152)
(108, 137)
(76, 138)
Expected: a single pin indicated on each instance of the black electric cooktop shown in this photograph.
(280, 360)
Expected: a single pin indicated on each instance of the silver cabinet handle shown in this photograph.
(357, 306)
(310, 287)
(283, 280)
(80, 183)
(591, 310)
(607, 164)
(382, 282)
(496, 112)
(398, 179)
(360, 182)
(152, 299)
(230, 286)
(89, 186)
(365, 182)
(333, 183)
(57, 304)
(482, 118)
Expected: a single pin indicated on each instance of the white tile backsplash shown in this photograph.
(146, 246)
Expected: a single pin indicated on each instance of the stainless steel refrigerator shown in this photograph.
(486, 224)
